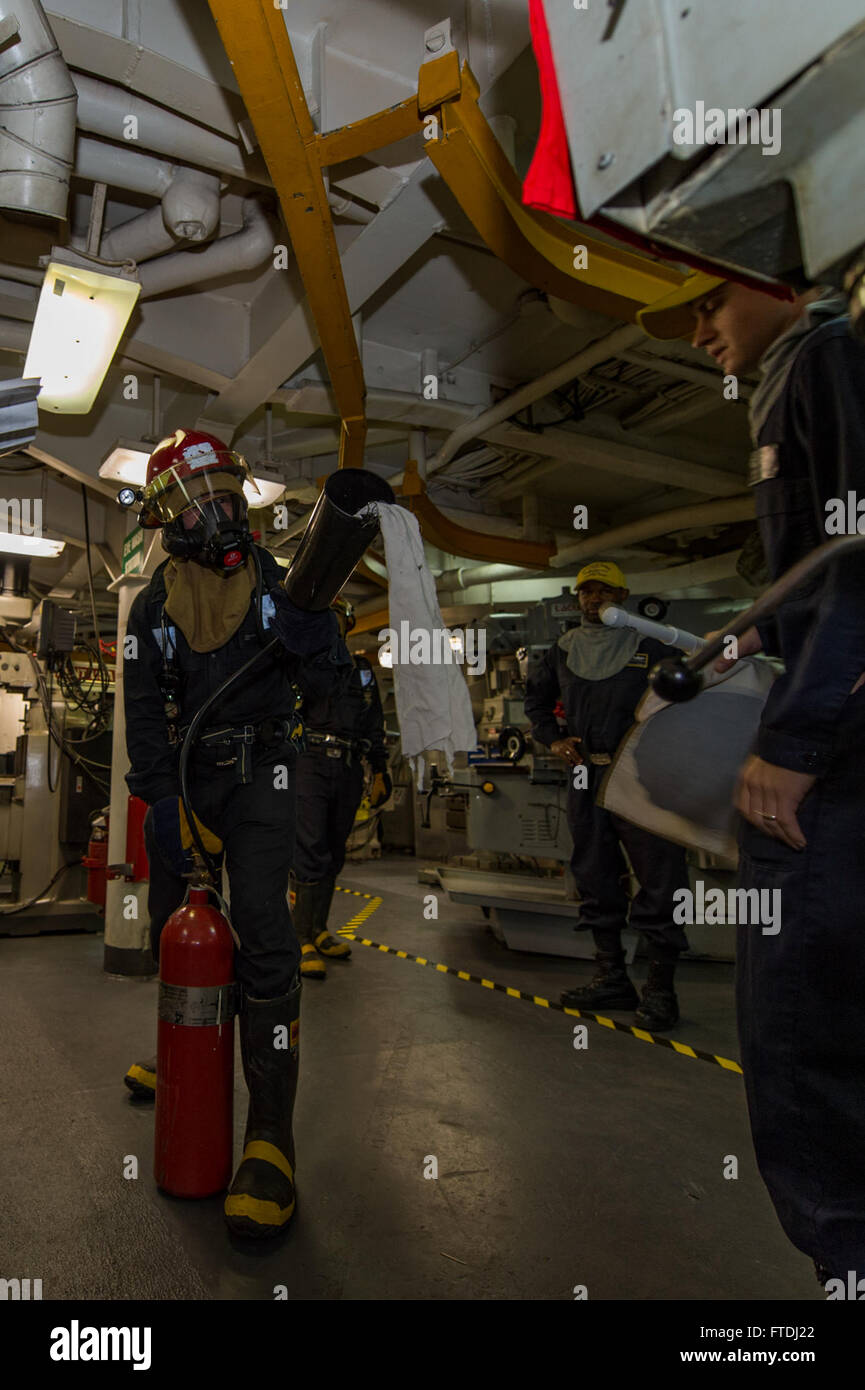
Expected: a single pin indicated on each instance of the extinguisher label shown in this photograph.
(197, 1006)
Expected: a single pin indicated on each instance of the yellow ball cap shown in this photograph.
(672, 316)
(605, 572)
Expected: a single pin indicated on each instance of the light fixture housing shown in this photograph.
(270, 488)
(127, 462)
(13, 544)
(80, 320)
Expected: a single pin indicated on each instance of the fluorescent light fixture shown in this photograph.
(270, 489)
(13, 544)
(127, 462)
(506, 615)
(79, 322)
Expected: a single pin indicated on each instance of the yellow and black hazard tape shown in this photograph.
(684, 1049)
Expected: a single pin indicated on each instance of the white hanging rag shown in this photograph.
(432, 700)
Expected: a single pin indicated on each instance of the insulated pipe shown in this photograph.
(244, 250)
(98, 162)
(728, 510)
(105, 110)
(189, 212)
(37, 115)
(599, 351)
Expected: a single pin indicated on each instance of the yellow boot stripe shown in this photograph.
(148, 1078)
(263, 1213)
(259, 1148)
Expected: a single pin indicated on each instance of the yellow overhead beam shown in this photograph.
(257, 43)
(372, 133)
(564, 261)
(448, 535)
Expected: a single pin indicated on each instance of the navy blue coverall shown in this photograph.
(600, 714)
(254, 819)
(330, 778)
(801, 993)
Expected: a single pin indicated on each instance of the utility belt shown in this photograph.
(335, 747)
(267, 733)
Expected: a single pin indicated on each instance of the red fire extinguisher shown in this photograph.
(96, 860)
(136, 850)
(195, 1051)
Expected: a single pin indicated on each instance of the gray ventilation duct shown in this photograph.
(37, 115)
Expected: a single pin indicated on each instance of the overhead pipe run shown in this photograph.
(724, 512)
(99, 161)
(37, 115)
(244, 250)
(107, 111)
(590, 356)
(189, 211)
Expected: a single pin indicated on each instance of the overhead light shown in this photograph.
(270, 489)
(79, 322)
(506, 615)
(13, 544)
(127, 462)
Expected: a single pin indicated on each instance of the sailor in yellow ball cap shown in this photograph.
(599, 674)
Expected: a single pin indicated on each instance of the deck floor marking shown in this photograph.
(641, 1034)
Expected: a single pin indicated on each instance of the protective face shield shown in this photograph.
(212, 530)
(195, 492)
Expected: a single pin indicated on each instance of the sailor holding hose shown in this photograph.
(600, 675)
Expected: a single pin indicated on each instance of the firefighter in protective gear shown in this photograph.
(208, 608)
(342, 729)
(600, 674)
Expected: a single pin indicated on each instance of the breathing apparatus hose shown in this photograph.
(189, 743)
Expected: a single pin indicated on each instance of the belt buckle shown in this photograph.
(600, 759)
(249, 732)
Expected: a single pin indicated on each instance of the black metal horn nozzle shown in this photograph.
(674, 680)
(341, 527)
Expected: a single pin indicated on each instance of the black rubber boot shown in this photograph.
(261, 1199)
(609, 989)
(659, 1007)
(141, 1080)
(311, 907)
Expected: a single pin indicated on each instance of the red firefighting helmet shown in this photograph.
(187, 466)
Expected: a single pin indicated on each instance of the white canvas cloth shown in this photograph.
(432, 701)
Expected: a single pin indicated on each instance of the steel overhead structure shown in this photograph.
(259, 49)
(535, 245)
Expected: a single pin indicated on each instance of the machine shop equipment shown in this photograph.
(48, 798)
(498, 826)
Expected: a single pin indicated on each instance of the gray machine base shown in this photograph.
(526, 913)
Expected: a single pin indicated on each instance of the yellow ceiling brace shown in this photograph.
(257, 43)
